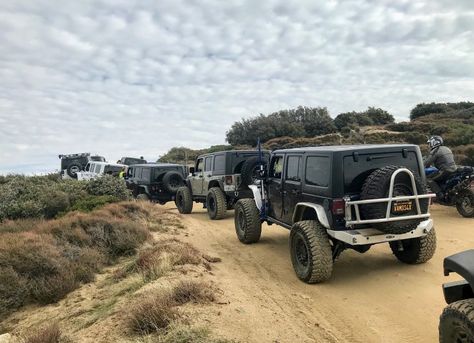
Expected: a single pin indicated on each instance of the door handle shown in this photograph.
(295, 191)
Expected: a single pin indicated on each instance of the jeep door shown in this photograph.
(275, 186)
(208, 162)
(197, 179)
(291, 186)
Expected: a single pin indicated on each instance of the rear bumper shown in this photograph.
(373, 236)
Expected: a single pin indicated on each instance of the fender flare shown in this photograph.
(320, 212)
(463, 264)
(257, 196)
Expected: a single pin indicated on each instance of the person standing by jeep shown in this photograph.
(441, 157)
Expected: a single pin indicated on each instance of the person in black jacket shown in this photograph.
(441, 157)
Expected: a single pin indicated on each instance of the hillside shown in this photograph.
(313, 126)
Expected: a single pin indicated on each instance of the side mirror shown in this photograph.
(191, 170)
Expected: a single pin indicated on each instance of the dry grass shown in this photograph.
(158, 260)
(157, 310)
(49, 334)
(192, 291)
(151, 314)
(47, 261)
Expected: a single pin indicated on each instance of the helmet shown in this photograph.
(435, 141)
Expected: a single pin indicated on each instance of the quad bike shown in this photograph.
(457, 190)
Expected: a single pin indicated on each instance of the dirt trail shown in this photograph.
(370, 298)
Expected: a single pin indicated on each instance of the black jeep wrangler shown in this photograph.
(219, 179)
(338, 197)
(157, 182)
(73, 163)
(456, 324)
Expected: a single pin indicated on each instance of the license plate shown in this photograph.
(402, 206)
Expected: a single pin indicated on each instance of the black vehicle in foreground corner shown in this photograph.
(456, 323)
(157, 182)
(334, 198)
(218, 180)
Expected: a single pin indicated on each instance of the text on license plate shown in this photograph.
(402, 206)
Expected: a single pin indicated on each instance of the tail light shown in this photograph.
(338, 206)
(229, 180)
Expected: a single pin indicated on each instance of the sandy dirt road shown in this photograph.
(370, 298)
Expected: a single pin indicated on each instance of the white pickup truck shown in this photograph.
(95, 169)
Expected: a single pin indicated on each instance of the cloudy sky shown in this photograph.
(123, 77)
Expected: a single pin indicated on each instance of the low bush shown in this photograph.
(47, 197)
(178, 333)
(192, 291)
(151, 313)
(48, 334)
(52, 258)
(159, 259)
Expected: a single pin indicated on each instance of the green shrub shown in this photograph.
(109, 185)
(47, 196)
(90, 203)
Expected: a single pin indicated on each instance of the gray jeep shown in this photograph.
(219, 179)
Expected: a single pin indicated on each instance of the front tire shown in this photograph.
(415, 250)
(465, 204)
(184, 200)
(248, 226)
(456, 323)
(216, 203)
(311, 252)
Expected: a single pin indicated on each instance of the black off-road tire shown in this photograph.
(216, 203)
(311, 252)
(456, 323)
(249, 168)
(143, 197)
(184, 200)
(415, 250)
(465, 204)
(377, 186)
(73, 168)
(248, 225)
(172, 181)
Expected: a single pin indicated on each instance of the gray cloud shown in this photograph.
(135, 78)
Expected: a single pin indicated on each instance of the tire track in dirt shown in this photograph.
(370, 298)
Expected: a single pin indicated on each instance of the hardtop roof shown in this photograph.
(254, 151)
(156, 165)
(348, 148)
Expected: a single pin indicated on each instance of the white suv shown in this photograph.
(95, 169)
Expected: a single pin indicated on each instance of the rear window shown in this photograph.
(317, 171)
(113, 170)
(146, 172)
(219, 164)
(355, 172)
(292, 168)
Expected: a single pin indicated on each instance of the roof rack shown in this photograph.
(84, 154)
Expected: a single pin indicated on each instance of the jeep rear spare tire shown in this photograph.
(73, 169)
(250, 170)
(248, 226)
(377, 185)
(311, 252)
(216, 203)
(184, 200)
(172, 181)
